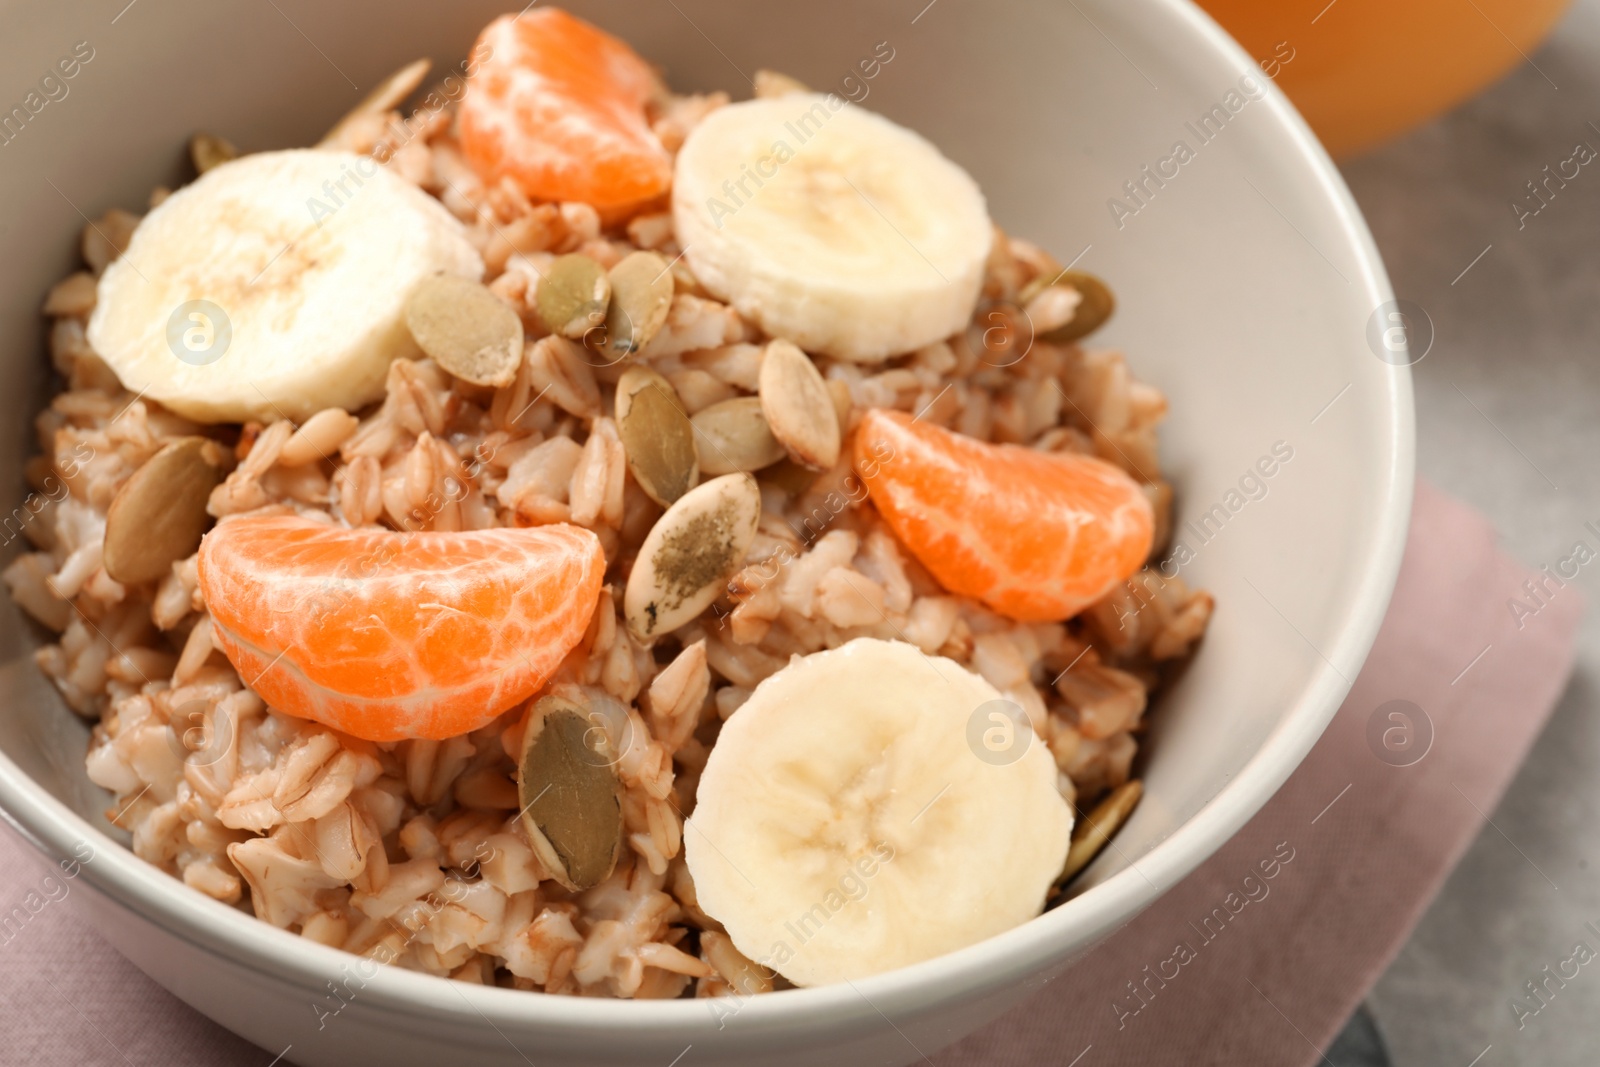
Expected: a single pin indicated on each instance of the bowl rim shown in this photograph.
(961, 976)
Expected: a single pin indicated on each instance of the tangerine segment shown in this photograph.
(1037, 536)
(559, 106)
(387, 636)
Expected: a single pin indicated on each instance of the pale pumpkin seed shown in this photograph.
(206, 152)
(1096, 828)
(1095, 307)
(733, 435)
(690, 553)
(570, 797)
(466, 329)
(656, 435)
(799, 407)
(389, 94)
(573, 295)
(641, 295)
(159, 514)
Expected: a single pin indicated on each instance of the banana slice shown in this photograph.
(274, 286)
(830, 226)
(870, 807)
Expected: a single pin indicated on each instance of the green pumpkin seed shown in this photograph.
(656, 435)
(641, 295)
(573, 296)
(466, 329)
(1095, 829)
(159, 514)
(690, 553)
(206, 152)
(570, 796)
(733, 435)
(1095, 307)
(799, 406)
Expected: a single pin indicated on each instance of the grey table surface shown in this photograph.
(1506, 415)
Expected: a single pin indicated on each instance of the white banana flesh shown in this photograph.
(851, 820)
(831, 226)
(274, 286)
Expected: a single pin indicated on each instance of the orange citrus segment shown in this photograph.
(559, 106)
(389, 635)
(1037, 536)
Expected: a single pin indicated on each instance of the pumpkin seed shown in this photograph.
(466, 329)
(206, 152)
(799, 406)
(390, 93)
(641, 294)
(656, 435)
(733, 435)
(1095, 307)
(159, 514)
(690, 553)
(1096, 828)
(573, 295)
(789, 477)
(570, 796)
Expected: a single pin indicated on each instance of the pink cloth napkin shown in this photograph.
(1358, 845)
(1255, 959)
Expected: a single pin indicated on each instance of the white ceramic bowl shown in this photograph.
(1246, 281)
